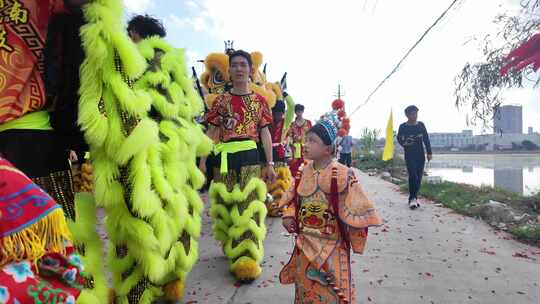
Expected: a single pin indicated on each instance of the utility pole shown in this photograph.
(339, 94)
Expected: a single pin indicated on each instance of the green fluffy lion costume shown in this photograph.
(137, 110)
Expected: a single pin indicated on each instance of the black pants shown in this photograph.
(345, 159)
(415, 167)
(37, 153)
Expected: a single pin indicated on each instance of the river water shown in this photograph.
(519, 173)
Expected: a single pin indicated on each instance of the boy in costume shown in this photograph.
(237, 120)
(330, 213)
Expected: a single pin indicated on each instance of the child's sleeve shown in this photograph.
(358, 213)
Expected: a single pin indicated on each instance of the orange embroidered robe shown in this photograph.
(320, 264)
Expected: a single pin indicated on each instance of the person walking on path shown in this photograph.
(345, 155)
(413, 136)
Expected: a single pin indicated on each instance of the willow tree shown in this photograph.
(479, 85)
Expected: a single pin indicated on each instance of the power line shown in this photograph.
(405, 57)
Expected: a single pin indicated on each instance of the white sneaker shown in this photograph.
(413, 204)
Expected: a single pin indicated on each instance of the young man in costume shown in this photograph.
(282, 119)
(297, 135)
(37, 264)
(237, 121)
(24, 121)
(412, 136)
(137, 110)
(330, 213)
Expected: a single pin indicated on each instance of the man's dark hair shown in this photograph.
(410, 109)
(146, 26)
(241, 53)
(298, 107)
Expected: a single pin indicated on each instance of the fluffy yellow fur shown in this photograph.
(278, 189)
(174, 291)
(246, 269)
(268, 95)
(217, 62)
(257, 59)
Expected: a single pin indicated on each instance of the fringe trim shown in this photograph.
(48, 234)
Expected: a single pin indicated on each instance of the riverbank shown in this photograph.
(519, 215)
(503, 152)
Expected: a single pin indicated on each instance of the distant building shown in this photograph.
(504, 141)
(530, 131)
(451, 140)
(508, 120)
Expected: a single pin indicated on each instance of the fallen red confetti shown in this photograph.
(429, 274)
(237, 284)
(192, 302)
(365, 270)
(488, 252)
(369, 299)
(523, 256)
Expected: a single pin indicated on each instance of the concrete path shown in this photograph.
(431, 255)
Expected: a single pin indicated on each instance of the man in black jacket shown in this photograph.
(413, 136)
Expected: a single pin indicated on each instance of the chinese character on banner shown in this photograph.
(3, 41)
(18, 13)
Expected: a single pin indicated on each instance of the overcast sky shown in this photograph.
(355, 43)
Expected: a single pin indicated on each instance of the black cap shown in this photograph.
(322, 132)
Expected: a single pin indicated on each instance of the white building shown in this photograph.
(504, 141)
(451, 140)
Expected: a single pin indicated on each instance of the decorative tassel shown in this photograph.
(48, 234)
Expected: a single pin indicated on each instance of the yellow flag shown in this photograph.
(389, 145)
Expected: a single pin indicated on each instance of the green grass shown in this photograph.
(462, 198)
(452, 195)
(527, 233)
(376, 162)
